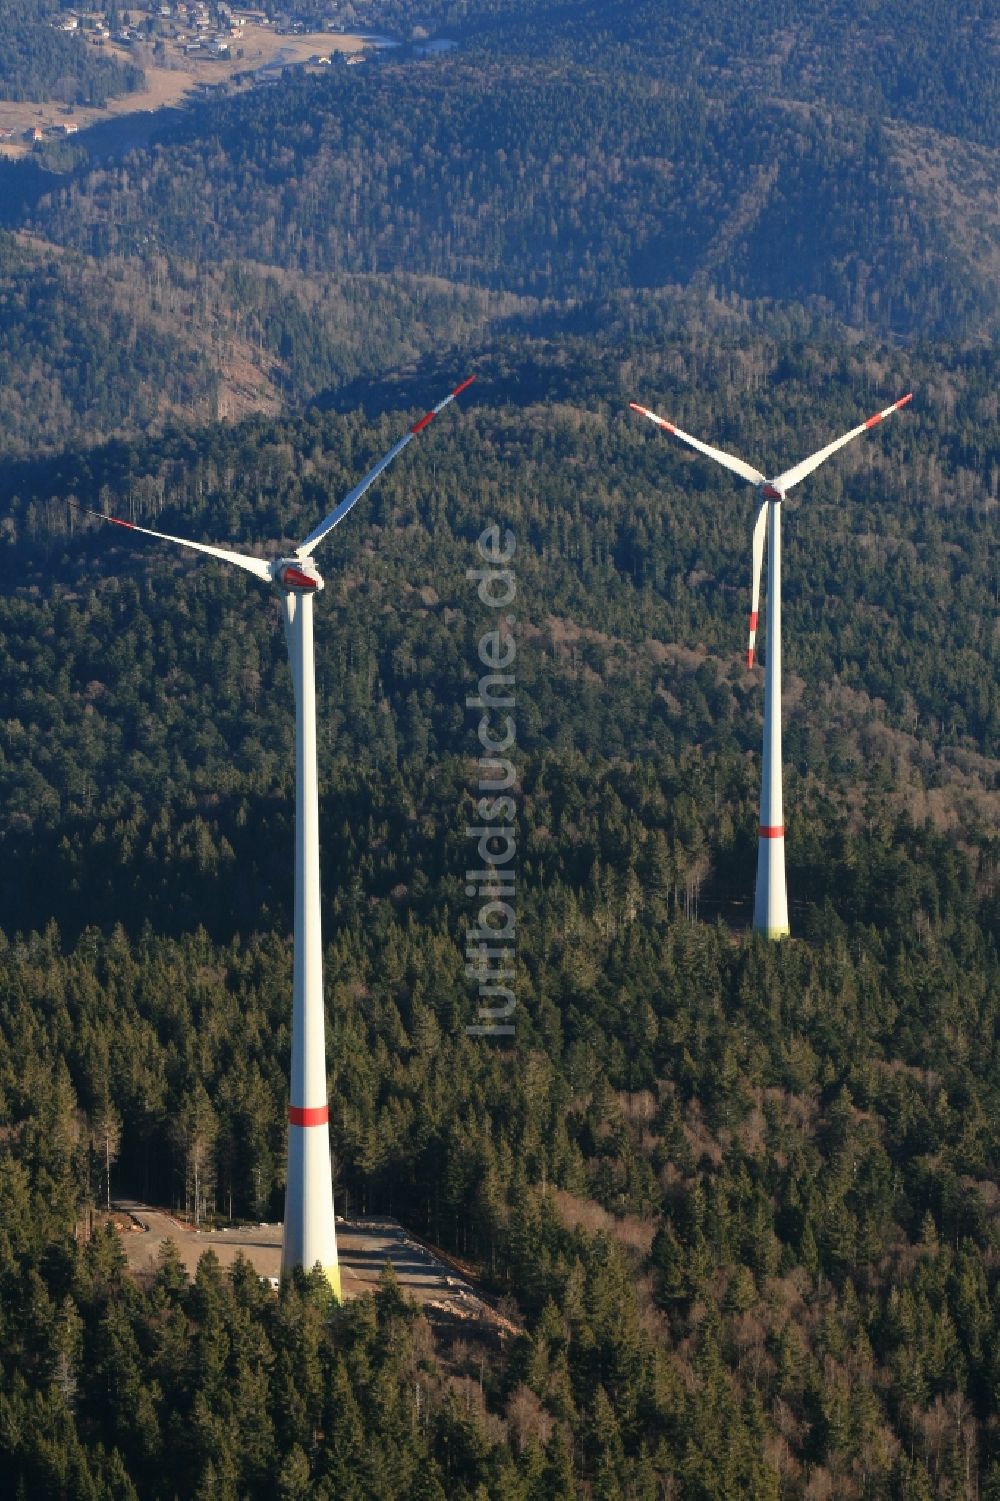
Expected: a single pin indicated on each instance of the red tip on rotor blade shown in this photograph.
(750, 656)
(418, 427)
(878, 417)
(459, 389)
(660, 421)
(116, 522)
(753, 620)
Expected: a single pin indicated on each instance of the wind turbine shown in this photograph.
(309, 1231)
(770, 912)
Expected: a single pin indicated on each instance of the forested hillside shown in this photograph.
(39, 61)
(557, 181)
(559, 157)
(135, 344)
(932, 62)
(556, 161)
(741, 1200)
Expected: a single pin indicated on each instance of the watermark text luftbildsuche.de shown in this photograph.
(490, 946)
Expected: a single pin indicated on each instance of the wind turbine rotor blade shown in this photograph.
(252, 565)
(759, 538)
(339, 512)
(791, 477)
(738, 466)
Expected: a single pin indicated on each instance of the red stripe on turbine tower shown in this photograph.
(316, 1115)
(775, 831)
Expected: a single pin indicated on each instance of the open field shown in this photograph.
(260, 47)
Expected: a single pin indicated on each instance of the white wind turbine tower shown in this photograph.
(770, 912)
(309, 1231)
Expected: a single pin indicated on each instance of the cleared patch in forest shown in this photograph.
(364, 1247)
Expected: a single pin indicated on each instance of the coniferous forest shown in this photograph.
(38, 60)
(740, 1201)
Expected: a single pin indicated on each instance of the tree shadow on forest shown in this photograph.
(548, 370)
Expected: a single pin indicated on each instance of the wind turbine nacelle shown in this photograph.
(297, 575)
